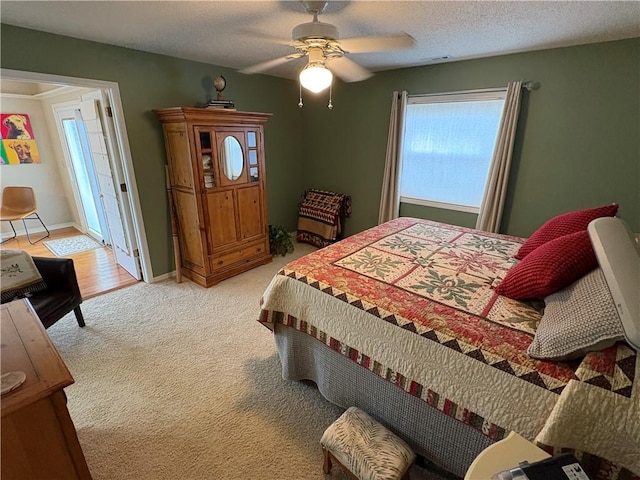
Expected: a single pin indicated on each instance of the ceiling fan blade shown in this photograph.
(268, 65)
(377, 43)
(262, 36)
(348, 70)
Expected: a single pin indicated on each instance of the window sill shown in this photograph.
(442, 205)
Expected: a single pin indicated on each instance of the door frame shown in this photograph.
(112, 91)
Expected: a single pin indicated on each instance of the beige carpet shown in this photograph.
(175, 381)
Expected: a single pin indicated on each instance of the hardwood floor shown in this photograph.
(97, 270)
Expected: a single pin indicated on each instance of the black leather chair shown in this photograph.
(62, 294)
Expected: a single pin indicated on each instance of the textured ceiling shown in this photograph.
(238, 34)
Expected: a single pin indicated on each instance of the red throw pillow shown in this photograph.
(563, 225)
(550, 267)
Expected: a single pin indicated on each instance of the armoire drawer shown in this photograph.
(238, 256)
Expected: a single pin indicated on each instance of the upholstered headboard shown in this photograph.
(618, 253)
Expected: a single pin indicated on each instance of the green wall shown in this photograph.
(578, 143)
(149, 81)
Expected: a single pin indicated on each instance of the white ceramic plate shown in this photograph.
(12, 380)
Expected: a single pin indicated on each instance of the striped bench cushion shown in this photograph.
(366, 448)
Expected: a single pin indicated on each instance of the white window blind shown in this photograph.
(447, 147)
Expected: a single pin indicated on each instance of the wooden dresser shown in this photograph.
(39, 439)
(217, 175)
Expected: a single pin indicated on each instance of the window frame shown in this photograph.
(449, 97)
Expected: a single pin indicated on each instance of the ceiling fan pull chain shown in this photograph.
(330, 106)
(300, 104)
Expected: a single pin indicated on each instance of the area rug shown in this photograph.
(176, 381)
(70, 245)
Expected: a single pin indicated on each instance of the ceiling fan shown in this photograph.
(327, 52)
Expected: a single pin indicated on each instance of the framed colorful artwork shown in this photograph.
(18, 142)
(3, 155)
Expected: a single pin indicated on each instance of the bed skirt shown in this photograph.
(439, 438)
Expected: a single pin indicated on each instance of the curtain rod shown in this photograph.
(528, 85)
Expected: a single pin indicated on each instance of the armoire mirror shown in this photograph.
(231, 157)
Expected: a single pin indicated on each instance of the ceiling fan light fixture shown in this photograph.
(315, 77)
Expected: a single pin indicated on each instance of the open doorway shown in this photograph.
(75, 144)
(93, 135)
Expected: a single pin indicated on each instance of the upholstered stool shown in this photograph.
(364, 448)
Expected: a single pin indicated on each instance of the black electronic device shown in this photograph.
(562, 467)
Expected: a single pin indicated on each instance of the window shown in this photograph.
(447, 147)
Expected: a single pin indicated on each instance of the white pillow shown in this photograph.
(578, 319)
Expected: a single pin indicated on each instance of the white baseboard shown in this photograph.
(37, 229)
(165, 276)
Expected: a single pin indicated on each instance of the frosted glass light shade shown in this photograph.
(315, 77)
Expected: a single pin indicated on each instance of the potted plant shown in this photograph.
(279, 240)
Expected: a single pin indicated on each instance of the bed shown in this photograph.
(402, 320)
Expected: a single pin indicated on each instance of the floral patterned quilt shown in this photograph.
(414, 302)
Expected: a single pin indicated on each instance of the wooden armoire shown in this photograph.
(217, 175)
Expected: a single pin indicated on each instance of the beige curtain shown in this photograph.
(390, 197)
(495, 190)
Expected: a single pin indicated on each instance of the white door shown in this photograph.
(92, 180)
(94, 107)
